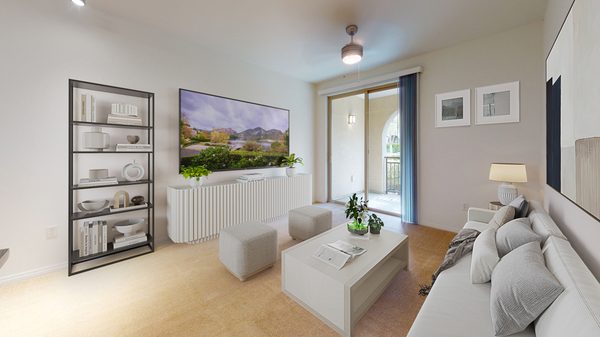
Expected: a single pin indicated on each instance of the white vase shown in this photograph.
(196, 183)
(290, 171)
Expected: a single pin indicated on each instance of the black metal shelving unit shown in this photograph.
(81, 264)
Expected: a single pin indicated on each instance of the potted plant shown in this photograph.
(290, 161)
(357, 210)
(195, 174)
(375, 224)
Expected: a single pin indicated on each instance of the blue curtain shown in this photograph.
(408, 147)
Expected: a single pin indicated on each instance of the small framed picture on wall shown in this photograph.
(453, 109)
(497, 104)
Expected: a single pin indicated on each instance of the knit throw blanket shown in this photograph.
(461, 245)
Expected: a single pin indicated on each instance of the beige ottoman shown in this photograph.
(308, 221)
(248, 248)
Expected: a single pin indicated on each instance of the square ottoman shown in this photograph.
(248, 248)
(308, 221)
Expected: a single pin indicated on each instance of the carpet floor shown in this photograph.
(183, 290)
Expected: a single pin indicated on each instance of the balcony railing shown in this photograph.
(392, 174)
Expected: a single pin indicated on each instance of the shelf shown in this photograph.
(112, 125)
(99, 152)
(79, 259)
(110, 89)
(105, 212)
(121, 183)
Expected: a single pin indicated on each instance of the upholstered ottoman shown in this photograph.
(308, 221)
(248, 248)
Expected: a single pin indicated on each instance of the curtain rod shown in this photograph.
(369, 82)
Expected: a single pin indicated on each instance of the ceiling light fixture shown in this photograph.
(352, 52)
(79, 3)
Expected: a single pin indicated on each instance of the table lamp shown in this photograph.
(508, 173)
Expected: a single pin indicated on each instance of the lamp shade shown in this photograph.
(510, 173)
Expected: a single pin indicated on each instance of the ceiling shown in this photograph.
(303, 38)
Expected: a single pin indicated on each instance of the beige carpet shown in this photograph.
(183, 290)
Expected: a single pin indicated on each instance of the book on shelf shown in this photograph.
(87, 108)
(117, 245)
(133, 147)
(129, 208)
(93, 237)
(125, 120)
(123, 238)
(83, 182)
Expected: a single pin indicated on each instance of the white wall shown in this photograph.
(454, 162)
(582, 230)
(44, 43)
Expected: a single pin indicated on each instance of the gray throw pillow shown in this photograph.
(522, 288)
(521, 206)
(514, 234)
(502, 216)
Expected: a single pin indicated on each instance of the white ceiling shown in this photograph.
(303, 38)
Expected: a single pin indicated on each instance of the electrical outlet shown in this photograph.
(51, 233)
(465, 207)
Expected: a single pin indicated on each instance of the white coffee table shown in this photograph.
(341, 297)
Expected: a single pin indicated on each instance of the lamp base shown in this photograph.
(506, 193)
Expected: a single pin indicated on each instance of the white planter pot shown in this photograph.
(196, 183)
(290, 171)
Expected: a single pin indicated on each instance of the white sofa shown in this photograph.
(457, 308)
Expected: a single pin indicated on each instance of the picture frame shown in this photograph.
(453, 109)
(497, 103)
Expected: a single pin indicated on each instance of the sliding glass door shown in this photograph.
(364, 148)
(347, 146)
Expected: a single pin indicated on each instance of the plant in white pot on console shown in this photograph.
(290, 161)
(195, 174)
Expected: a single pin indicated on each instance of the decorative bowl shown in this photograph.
(133, 139)
(354, 229)
(129, 226)
(93, 205)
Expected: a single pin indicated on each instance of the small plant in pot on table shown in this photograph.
(375, 224)
(195, 174)
(289, 162)
(357, 210)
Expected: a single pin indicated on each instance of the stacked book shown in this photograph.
(84, 182)
(134, 147)
(124, 241)
(93, 237)
(124, 119)
(87, 108)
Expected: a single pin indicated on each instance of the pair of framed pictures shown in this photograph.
(493, 104)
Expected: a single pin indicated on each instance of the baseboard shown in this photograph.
(32, 273)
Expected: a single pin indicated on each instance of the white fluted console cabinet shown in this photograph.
(198, 214)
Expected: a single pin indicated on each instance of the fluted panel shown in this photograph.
(198, 214)
(587, 154)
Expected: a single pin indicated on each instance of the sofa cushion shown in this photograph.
(515, 234)
(476, 225)
(456, 307)
(502, 216)
(542, 223)
(576, 312)
(522, 288)
(485, 256)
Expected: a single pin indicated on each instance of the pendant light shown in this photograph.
(352, 52)
(79, 3)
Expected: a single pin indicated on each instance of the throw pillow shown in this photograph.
(521, 206)
(515, 234)
(502, 216)
(485, 256)
(522, 288)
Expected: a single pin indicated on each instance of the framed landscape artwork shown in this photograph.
(453, 109)
(227, 134)
(497, 104)
(572, 110)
